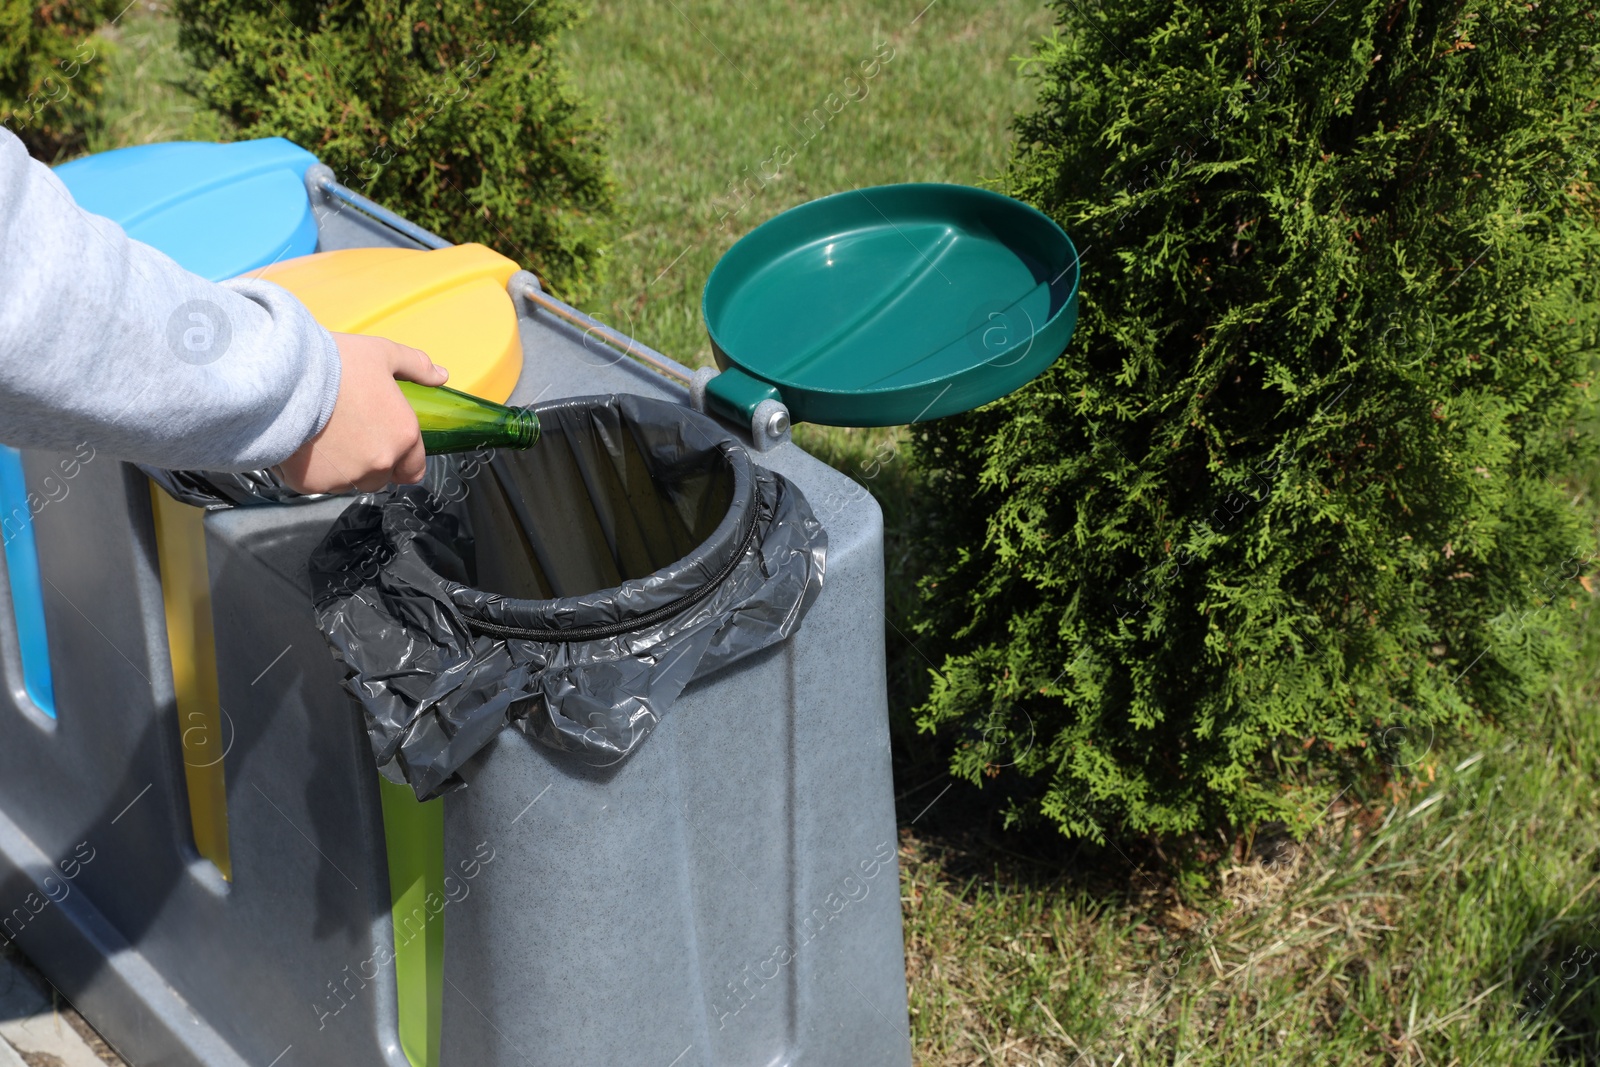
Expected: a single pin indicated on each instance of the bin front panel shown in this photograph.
(729, 895)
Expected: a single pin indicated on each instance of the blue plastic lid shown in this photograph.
(217, 209)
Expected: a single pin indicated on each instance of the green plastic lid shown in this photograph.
(890, 305)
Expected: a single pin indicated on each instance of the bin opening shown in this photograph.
(572, 589)
(591, 507)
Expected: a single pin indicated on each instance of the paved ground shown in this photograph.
(40, 1029)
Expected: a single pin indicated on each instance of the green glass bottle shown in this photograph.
(453, 421)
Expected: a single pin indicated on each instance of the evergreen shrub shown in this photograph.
(1295, 492)
(456, 113)
(52, 68)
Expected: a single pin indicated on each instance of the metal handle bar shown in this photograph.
(341, 192)
(619, 341)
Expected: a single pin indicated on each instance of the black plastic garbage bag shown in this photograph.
(216, 491)
(572, 589)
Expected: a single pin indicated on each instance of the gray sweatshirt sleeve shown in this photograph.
(105, 341)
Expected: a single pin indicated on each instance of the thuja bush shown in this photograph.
(1292, 499)
(456, 113)
(51, 71)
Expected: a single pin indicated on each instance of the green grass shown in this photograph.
(145, 98)
(1418, 925)
(699, 94)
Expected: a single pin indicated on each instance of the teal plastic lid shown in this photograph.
(890, 305)
(217, 209)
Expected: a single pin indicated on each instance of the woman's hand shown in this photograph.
(371, 439)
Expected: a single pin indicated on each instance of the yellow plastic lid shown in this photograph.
(451, 303)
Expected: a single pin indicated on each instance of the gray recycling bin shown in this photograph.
(727, 894)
